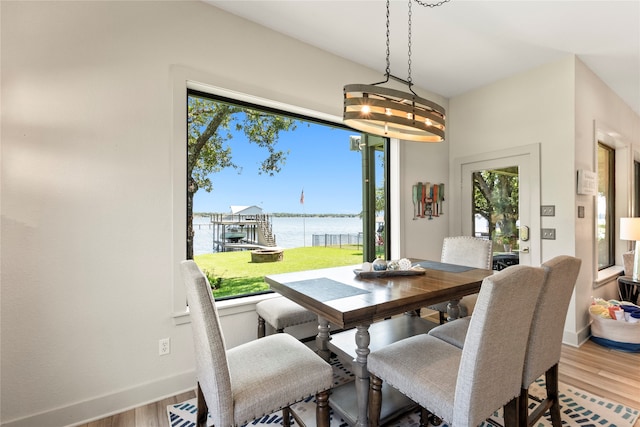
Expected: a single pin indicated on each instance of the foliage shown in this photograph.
(238, 275)
(209, 125)
(209, 128)
(495, 197)
(215, 282)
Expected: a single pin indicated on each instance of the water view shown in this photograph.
(290, 232)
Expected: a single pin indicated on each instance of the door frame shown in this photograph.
(530, 152)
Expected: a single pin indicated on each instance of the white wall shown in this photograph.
(88, 177)
(600, 114)
(422, 238)
(554, 105)
(529, 108)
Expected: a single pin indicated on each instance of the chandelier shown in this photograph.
(392, 113)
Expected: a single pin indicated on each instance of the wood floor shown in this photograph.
(611, 374)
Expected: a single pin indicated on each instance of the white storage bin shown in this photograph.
(616, 334)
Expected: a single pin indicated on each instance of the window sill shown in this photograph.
(228, 307)
(608, 275)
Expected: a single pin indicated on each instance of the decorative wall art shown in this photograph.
(428, 200)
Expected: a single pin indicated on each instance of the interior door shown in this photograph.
(500, 201)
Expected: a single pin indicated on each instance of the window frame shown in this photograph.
(184, 79)
(610, 214)
(624, 190)
(368, 243)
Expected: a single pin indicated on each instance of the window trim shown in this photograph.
(624, 156)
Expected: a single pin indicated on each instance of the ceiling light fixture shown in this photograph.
(390, 112)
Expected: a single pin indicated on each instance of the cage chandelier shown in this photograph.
(392, 113)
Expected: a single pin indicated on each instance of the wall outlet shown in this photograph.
(549, 233)
(164, 346)
(548, 210)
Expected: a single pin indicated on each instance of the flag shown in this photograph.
(302, 197)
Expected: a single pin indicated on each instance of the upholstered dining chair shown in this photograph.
(281, 313)
(468, 251)
(465, 386)
(545, 338)
(253, 379)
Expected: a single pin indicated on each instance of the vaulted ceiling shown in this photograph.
(465, 44)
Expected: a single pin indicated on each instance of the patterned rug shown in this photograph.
(579, 408)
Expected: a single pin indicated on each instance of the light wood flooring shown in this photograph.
(611, 374)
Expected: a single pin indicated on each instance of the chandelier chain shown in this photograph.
(409, 80)
(409, 44)
(388, 71)
(425, 4)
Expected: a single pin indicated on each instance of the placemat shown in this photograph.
(325, 289)
(443, 266)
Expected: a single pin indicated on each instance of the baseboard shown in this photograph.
(111, 404)
(576, 339)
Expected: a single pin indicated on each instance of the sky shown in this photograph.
(319, 163)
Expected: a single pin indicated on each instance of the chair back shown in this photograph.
(469, 251)
(212, 369)
(491, 366)
(545, 338)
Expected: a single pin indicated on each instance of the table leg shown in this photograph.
(362, 374)
(453, 310)
(322, 339)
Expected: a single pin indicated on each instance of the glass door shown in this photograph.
(496, 196)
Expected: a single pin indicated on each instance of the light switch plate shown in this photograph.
(549, 233)
(548, 210)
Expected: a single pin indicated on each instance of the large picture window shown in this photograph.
(269, 191)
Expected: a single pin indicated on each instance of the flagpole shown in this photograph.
(304, 225)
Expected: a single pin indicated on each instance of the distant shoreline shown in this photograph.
(289, 215)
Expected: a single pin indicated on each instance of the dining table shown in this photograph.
(357, 301)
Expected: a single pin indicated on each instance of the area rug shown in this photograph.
(579, 408)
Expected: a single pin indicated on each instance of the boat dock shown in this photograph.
(233, 232)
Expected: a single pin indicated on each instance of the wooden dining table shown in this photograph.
(351, 299)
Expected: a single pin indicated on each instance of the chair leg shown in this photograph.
(375, 400)
(322, 409)
(261, 332)
(442, 317)
(551, 380)
(286, 417)
(511, 410)
(523, 408)
(550, 403)
(203, 410)
(425, 417)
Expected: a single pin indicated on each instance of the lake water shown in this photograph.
(290, 232)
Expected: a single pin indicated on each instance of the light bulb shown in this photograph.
(428, 122)
(409, 116)
(365, 109)
(387, 111)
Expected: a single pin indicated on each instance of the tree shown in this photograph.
(209, 125)
(495, 198)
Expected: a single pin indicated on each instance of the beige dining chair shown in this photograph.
(238, 385)
(468, 251)
(545, 338)
(281, 313)
(465, 386)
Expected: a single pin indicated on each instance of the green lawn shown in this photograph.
(235, 274)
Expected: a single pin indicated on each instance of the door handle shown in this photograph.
(525, 250)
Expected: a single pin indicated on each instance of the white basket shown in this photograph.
(614, 330)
